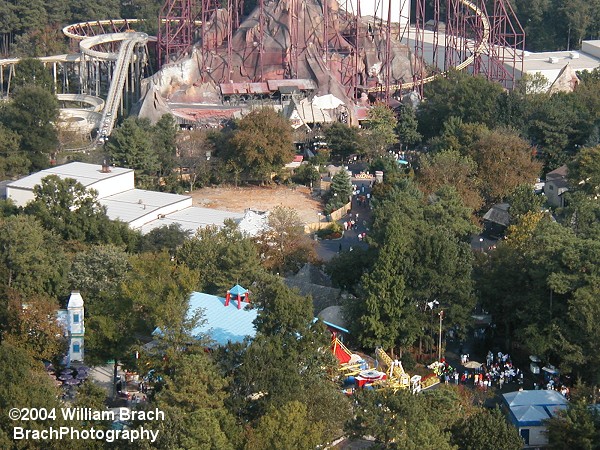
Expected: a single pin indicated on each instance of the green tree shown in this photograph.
(576, 427)
(380, 130)
(168, 237)
(548, 307)
(584, 171)
(558, 125)
(261, 144)
(346, 268)
(343, 140)
(306, 174)
(340, 190)
(264, 378)
(164, 136)
(385, 302)
(131, 145)
(582, 214)
(523, 200)
(159, 290)
(25, 385)
(288, 427)
(31, 260)
(13, 161)
(99, 269)
(461, 95)
(192, 398)
(69, 209)
(486, 429)
(397, 420)
(31, 71)
(406, 129)
(223, 257)
(32, 114)
(425, 243)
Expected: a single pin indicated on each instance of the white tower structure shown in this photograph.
(75, 326)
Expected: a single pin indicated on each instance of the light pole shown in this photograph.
(432, 305)
(481, 244)
(441, 314)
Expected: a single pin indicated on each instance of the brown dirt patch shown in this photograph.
(260, 198)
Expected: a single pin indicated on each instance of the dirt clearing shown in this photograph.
(259, 198)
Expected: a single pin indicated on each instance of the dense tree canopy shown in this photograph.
(222, 257)
(422, 255)
(32, 114)
(31, 261)
(260, 144)
(343, 140)
(576, 427)
(472, 99)
(66, 207)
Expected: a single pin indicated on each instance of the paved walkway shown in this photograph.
(327, 249)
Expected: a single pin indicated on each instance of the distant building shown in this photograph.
(527, 411)
(556, 185)
(141, 209)
(72, 321)
(496, 220)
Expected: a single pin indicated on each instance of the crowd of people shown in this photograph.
(497, 371)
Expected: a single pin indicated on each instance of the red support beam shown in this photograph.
(176, 30)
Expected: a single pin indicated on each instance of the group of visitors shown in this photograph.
(350, 225)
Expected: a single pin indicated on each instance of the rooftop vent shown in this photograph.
(574, 55)
(553, 60)
(105, 167)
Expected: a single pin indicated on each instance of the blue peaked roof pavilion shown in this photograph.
(238, 290)
(223, 323)
(530, 408)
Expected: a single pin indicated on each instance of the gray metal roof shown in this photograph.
(193, 218)
(134, 204)
(84, 173)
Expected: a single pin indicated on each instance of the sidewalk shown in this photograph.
(327, 249)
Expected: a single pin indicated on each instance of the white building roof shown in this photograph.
(555, 61)
(193, 218)
(254, 222)
(535, 397)
(135, 204)
(86, 174)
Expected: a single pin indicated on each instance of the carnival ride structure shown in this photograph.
(389, 373)
(111, 61)
(332, 44)
(335, 42)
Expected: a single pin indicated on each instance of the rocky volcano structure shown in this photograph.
(341, 54)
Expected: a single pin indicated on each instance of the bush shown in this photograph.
(305, 174)
(429, 380)
(408, 361)
(333, 231)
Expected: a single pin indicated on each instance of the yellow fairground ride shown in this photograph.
(397, 378)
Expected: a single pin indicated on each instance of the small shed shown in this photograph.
(496, 220)
(556, 185)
